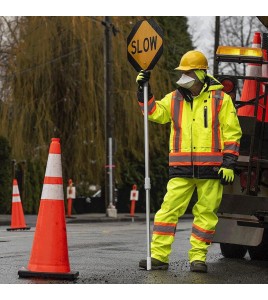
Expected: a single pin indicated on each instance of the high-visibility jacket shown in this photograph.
(204, 134)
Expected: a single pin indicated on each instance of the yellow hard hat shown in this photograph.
(193, 60)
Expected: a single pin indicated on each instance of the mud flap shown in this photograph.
(229, 231)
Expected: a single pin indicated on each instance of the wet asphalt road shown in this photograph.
(108, 253)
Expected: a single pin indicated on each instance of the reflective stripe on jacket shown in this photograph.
(201, 132)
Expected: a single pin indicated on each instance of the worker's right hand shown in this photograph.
(143, 77)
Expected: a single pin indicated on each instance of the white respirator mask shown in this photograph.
(186, 81)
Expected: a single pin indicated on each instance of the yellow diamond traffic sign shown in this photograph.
(145, 45)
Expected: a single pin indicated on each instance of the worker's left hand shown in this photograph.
(226, 175)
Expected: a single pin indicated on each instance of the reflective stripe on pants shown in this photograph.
(176, 200)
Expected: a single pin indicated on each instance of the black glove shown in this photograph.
(229, 161)
(143, 77)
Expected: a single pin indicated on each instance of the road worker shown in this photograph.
(203, 150)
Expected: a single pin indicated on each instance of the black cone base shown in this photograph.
(14, 229)
(23, 273)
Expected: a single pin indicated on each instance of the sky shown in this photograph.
(201, 29)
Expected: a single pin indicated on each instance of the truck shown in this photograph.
(243, 213)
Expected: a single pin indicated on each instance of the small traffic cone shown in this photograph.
(250, 86)
(49, 256)
(17, 216)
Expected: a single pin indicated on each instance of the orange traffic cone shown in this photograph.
(17, 216)
(49, 256)
(250, 86)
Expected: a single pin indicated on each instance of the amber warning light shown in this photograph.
(239, 51)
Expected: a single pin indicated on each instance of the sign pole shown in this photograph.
(144, 48)
(147, 184)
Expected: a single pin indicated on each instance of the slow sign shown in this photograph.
(145, 45)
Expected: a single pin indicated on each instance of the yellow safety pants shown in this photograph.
(176, 200)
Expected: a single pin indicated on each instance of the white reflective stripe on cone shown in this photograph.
(15, 189)
(254, 70)
(16, 199)
(52, 192)
(54, 166)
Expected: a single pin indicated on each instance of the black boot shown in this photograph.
(198, 266)
(156, 264)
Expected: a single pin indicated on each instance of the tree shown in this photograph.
(5, 176)
(52, 86)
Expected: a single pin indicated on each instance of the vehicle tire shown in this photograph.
(260, 252)
(233, 251)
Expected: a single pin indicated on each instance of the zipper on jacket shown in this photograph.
(205, 116)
